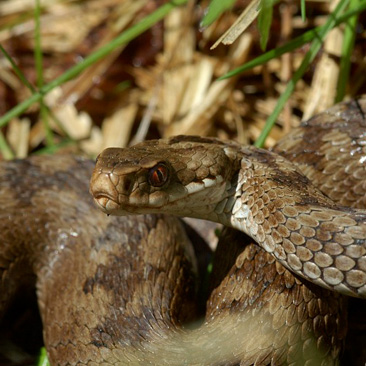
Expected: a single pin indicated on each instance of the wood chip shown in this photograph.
(324, 84)
(76, 124)
(18, 136)
(116, 129)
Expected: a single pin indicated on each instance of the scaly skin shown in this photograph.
(115, 290)
(255, 191)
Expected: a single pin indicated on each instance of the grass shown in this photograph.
(309, 57)
(127, 36)
(347, 47)
(315, 36)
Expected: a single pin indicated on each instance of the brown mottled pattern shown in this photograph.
(303, 229)
(111, 290)
(308, 322)
(114, 291)
(103, 283)
(331, 153)
(322, 147)
(278, 205)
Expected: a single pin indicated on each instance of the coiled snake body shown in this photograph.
(114, 290)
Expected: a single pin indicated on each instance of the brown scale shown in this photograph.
(115, 290)
(330, 149)
(103, 283)
(321, 311)
(322, 148)
(299, 209)
(308, 323)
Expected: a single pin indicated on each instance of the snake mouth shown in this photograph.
(105, 201)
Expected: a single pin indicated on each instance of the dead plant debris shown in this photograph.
(165, 81)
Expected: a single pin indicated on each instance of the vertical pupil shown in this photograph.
(158, 175)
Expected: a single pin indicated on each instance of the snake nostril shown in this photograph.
(102, 187)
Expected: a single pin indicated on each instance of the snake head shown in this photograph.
(184, 176)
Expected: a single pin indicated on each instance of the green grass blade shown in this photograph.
(43, 359)
(215, 9)
(25, 82)
(309, 57)
(46, 124)
(303, 10)
(347, 47)
(55, 147)
(38, 57)
(5, 148)
(17, 71)
(292, 45)
(38, 61)
(126, 36)
(265, 21)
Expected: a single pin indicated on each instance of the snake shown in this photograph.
(252, 190)
(120, 289)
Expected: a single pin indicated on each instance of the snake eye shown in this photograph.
(158, 175)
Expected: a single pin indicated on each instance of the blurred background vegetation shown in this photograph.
(77, 76)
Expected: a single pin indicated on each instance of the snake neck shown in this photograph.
(276, 205)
